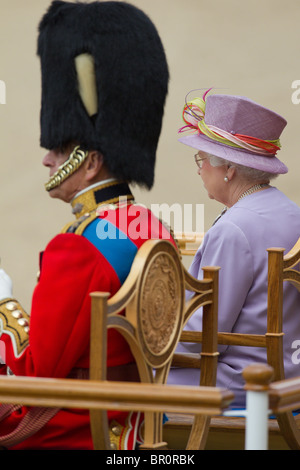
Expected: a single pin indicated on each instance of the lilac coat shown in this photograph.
(238, 243)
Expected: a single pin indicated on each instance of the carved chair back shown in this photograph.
(149, 311)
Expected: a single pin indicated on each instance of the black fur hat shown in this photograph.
(131, 82)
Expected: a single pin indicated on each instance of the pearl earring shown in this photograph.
(226, 179)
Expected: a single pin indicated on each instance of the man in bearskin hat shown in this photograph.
(104, 84)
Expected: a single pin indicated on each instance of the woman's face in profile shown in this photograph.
(213, 179)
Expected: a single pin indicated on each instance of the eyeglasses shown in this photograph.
(199, 160)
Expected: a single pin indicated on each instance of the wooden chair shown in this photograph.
(228, 432)
(152, 300)
(281, 270)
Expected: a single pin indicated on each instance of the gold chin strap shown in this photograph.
(69, 167)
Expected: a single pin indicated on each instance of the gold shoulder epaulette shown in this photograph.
(14, 321)
(80, 224)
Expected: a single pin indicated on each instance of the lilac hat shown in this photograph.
(236, 129)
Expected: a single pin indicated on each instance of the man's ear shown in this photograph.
(93, 164)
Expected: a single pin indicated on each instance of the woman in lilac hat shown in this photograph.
(236, 141)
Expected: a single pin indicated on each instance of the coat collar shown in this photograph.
(105, 192)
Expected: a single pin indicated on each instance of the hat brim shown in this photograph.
(242, 157)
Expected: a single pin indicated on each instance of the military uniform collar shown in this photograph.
(105, 192)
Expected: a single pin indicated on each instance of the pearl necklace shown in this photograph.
(251, 190)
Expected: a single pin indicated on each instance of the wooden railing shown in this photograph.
(263, 398)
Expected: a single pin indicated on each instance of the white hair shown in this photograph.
(249, 174)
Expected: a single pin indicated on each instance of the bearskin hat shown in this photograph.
(125, 74)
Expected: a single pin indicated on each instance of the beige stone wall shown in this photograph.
(248, 47)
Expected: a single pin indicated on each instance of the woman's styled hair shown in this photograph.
(249, 174)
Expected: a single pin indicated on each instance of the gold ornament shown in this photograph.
(69, 167)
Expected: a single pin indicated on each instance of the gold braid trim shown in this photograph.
(69, 167)
(14, 321)
(118, 433)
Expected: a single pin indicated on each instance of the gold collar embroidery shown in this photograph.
(108, 193)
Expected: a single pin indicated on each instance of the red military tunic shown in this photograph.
(94, 253)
